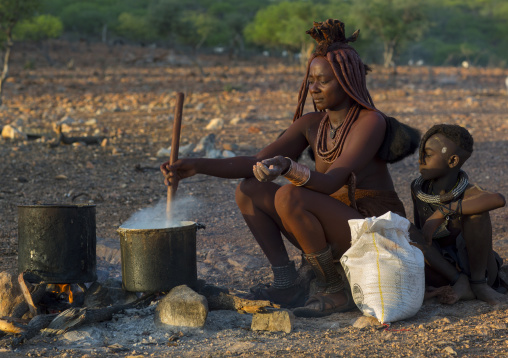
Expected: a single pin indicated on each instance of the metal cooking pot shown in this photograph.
(56, 243)
(156, 260)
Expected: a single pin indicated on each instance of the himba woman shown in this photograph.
(351, 144)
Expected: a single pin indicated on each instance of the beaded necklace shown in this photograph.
(453, 194)
(338, 139)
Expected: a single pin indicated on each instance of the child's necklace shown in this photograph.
(457, 191)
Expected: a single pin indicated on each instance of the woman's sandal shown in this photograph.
(324, 301)
(265, 292)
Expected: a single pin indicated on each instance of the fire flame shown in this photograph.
(64, 288)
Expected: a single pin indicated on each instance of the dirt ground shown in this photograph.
(127, 94)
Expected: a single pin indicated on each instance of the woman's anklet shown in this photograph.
(478, 282)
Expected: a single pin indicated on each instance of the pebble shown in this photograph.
(10, 132)
(215, 124)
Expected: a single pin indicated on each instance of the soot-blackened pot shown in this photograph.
(156, 260)
(57, 243)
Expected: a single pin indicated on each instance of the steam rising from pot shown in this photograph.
(155, 217)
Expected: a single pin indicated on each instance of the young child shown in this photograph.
(453, 216)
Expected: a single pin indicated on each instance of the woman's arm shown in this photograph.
(290, 144)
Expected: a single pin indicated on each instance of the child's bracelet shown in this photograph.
(298, 174)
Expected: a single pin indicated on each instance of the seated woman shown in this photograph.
(348, 136)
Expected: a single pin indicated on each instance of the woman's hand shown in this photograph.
(181, 169)
(270, 169)
(431, 225)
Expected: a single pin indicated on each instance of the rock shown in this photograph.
(214, 124)
(181, 307)
(10, 132)
(234, 121)
(228, 154)
(91, 122)
(205, 144)
(86, 335)
(66, 120)
(365, 321)
(185, 150)
(163, 152)
(213, 154)
(276, 321)
(450, 350)
(199, 106)
(10, 293)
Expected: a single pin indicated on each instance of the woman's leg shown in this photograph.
(256, 202)
(314, 219)
(320, 225)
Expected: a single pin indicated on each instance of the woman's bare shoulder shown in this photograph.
(311, 116)
(370, 116)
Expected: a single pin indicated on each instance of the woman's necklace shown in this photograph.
(338, 135)
(333, 131)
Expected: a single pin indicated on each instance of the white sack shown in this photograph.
(385, 272)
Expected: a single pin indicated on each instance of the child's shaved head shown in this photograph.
(460, 136)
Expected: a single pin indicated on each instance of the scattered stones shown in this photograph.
(365, 321)
(228, 154)
(276, 321)
(163, 152)
(181, 307)
(205, 144)
(235, 120)
(215, 124)
(450, 350)
(91, 122)
(10, 132)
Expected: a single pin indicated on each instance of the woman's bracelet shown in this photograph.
(298, 174)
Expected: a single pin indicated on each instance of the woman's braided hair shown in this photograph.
(349, 69)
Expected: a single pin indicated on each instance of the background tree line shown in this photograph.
(437, 32)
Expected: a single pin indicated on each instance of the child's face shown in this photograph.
(437, 151)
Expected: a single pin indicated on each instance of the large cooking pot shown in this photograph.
(156, 260)
(56, 243)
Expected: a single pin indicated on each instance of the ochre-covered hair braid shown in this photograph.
(349, 70)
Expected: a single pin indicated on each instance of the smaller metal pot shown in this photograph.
(156, 260)
(56, 243)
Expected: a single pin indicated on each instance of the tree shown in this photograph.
(11, 12)
(135, 27)
(284, 25)
(38, 29)
(395, 22)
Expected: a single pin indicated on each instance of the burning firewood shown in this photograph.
(72, 318)
(221, 299)
(11, 325)
(31, 298)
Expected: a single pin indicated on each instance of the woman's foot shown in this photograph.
(291, 297)
(324, 304)
(487, 294)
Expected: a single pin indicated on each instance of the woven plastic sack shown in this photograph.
(385, 272)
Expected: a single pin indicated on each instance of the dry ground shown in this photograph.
(130, 92)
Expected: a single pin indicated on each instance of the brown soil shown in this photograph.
(130, 91)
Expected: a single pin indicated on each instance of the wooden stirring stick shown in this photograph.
(175, 144)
